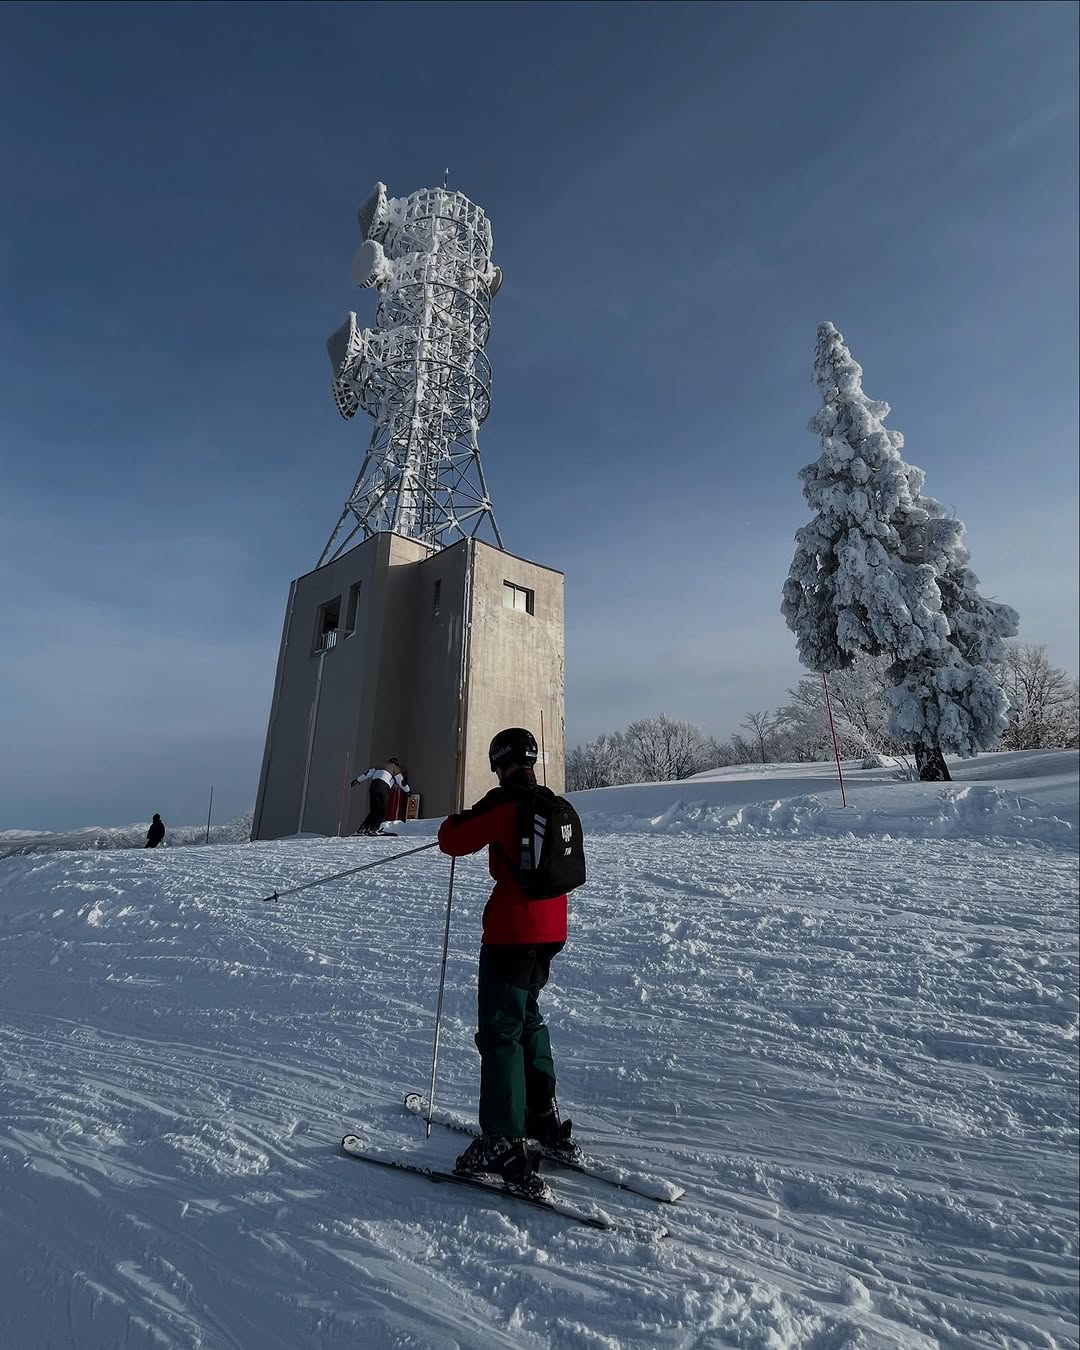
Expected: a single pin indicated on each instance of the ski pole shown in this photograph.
(438, 1006)
(352, 871)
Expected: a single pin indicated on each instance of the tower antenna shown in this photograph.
(420, 372)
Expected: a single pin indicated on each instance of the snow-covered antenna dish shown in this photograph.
(343, 347)
(495, 285)
(367, 263)
(372, 216)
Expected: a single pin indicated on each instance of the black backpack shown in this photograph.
(551, 858)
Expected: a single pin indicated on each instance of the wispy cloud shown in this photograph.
(1023, 132)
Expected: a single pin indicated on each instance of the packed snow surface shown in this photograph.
(851, 1036)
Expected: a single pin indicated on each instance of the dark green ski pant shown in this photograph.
(517, 1075)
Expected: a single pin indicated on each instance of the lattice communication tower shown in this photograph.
(420, 372)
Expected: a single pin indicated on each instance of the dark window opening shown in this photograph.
(326, 628)
(436, 599)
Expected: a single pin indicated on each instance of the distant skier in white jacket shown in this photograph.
(381, 780)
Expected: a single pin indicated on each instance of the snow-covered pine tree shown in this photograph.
(977, 630)
(978, 627)
(882, 570)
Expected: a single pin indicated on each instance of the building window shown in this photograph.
(436, 599)
(326, 628)
(350, 613)
(517, 597)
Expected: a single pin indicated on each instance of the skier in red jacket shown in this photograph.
(520, 938)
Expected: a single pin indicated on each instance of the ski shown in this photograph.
(354, 1147)
(637, 1183)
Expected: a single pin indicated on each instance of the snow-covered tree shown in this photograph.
(662, 748)
(760, 728)
(860, 713)
(1045, 701)
(598, 763)
(978, 627)
(882, 571)
(717, 754)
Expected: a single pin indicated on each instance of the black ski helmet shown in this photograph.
(515, 745)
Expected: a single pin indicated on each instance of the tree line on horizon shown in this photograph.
(1044, 713)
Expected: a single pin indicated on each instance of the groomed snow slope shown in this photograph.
(852, 1037)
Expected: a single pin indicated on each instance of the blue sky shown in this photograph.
(679, 194)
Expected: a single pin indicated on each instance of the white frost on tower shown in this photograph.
(420, 372)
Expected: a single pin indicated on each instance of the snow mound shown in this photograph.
(968, 811)
(805, 799)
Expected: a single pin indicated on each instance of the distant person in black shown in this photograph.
(381, 780)
(156, 833)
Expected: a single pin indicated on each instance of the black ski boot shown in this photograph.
(553, 1136)
(520, 1172)
(483, 1155)
(509, 1159)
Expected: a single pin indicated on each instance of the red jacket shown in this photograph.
(510, 916)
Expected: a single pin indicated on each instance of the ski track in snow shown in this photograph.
(858, 1054)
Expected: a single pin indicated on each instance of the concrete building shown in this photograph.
(399, 648)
